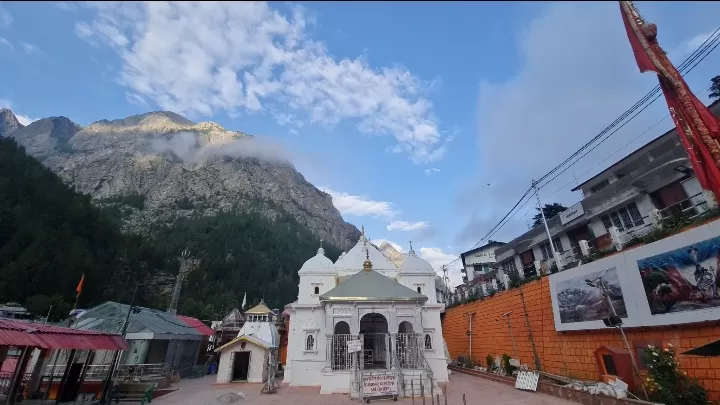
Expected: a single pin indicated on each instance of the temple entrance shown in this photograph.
(374, 329)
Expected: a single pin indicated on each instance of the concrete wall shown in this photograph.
(256, 368)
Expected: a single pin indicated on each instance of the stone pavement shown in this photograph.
(202, 391)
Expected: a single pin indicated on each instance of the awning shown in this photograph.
(21, 333)
(708, 350)
(198, 325)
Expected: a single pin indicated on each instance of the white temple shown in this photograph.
(392, 310)
(245, 358)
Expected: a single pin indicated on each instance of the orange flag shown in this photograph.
(80, 284)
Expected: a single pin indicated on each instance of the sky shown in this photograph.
(425, 121)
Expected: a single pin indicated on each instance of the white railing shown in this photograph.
(408, 347)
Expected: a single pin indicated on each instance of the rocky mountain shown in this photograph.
(8, 122)
(159, 167)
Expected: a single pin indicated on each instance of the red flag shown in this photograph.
(697, 127)
(80, 285)
(634, 33)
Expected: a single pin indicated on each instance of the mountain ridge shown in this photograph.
(179, 169)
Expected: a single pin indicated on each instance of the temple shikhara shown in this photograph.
(392, 310)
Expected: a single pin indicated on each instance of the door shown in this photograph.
(241, 363)
(72, 384)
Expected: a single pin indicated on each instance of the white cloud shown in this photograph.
(576, 75)
(30, 49)
(200, 58)
(438, 258)
(5, 18)
(407, 226)
(7, 43)
(24, 119)
(358, 205)
(694, 43)
(431, 171)
(66, 5)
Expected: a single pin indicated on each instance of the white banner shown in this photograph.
(376, 385)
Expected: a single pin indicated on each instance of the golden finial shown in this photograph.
(367, 265)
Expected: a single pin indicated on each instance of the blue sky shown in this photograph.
(426, 121)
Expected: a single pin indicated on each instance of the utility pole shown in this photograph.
(601, 284)
(558, 260)
(446, 283)
(116, 356)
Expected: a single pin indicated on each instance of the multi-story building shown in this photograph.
(479, 262)
(620, 203)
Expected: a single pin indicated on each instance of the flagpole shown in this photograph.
(78, 289)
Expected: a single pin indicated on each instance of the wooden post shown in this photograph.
(438, 399)
(422, 390)
(464, 402)
(445, 394)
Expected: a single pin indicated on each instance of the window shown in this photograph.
(508, 266)
(419, 290)
(310, 343)
(625, 218)
(317, 290)
(428, 342)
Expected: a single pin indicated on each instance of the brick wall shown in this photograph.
(565, 353)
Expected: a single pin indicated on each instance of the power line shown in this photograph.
(713, 39)
(701, 52)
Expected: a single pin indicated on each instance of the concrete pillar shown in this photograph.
(655, 218)
(584, 247)
(37, 372)
(710, 198)
(615, 236)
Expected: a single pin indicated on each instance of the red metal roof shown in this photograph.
(21, 333)
(198, 325)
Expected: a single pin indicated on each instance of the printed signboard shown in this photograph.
(354, 346)
(574, 212)
(379, 385)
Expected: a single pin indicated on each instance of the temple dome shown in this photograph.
(318, 264)
(415, 265)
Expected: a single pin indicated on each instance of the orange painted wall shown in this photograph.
(284, 342)
(565, 353)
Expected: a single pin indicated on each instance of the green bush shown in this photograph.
(490, 361)
(507, 367)
(666, 384)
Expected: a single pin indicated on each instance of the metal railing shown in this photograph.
(98, 372)
(408, 347)
(337, 356)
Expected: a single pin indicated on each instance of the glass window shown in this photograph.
(428, 342)
(310, 343)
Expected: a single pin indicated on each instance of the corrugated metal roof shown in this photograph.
(371, 286)
(109, 317)
(20, 333)
(198, 325)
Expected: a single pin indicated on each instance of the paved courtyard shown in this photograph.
(477, 392)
